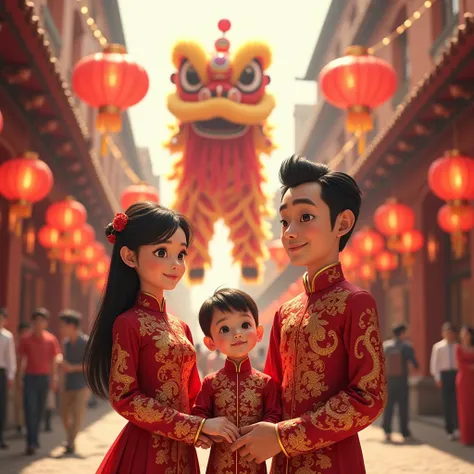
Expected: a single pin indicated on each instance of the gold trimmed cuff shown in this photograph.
(279, 441)
(199, 431)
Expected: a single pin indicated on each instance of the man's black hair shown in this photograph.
(40, 313)
(4, 312)
(399, 329)
(226, 300)
(448, 326)
(338, 190)
(70, 316)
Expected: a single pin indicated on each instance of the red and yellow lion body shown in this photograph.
(222, 108)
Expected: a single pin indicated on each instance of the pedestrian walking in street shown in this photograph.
(465, 385)
(398, 355)
(141, 357)
(7, 370)
(23, 328)
(443, 368)
(74, 393)
(40, 355)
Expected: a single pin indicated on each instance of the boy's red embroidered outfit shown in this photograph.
(244, 396)
(325, 350)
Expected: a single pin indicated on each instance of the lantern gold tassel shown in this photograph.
(359, 122)
(457, 244)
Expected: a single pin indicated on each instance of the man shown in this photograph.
(23, 328)
(325, 346)
(443, 367)
(74, 393)
(7, 370)
(39, 357)
(398, 354)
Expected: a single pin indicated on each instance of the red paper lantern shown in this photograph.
(278, 253)
(456, 220)
(138, 193)
(451, 177)
(367, 272)
(349, 259)
(48, 237)
(411, 241)
(393, 218)
(367, 242)
(386, 261)
(24, 180)
(101, 267)
(84, 273)
(112, 82)
(79, 238)
(92, 252)
(358, 82)
(66, 215)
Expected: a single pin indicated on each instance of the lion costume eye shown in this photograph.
(189, 78)
(250, 79)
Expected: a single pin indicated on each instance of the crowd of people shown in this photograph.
(452, 367)
(45, 374)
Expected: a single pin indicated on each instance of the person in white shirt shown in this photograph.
(7, 370)
(443, 368)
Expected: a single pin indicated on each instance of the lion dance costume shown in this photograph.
(222, 106)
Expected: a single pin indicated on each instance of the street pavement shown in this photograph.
(433, 453)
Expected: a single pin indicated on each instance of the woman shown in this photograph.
(465, 385)
(141, 357)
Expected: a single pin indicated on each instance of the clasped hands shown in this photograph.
(255, 443)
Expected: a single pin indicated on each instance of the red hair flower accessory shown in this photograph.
(120, 222)
(118, 225)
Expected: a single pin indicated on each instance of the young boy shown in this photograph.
(325, 347)
(229, 320)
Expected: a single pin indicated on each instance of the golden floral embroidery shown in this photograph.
(120, 381)
(224, 390)
(311, 340)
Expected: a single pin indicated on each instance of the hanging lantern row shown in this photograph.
(111, 82)
(451, 178)
(24, 181)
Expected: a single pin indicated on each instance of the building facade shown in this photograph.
(430, 113)
(40, 42)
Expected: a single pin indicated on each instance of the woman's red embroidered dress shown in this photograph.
(465, 394)
(153, 383)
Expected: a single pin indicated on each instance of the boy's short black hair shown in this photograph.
(40, 313)
(399, 329)
(70, 316)
(4, 312)
(226, 300)
(338, 190)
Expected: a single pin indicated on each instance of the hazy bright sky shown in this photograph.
(153, 26)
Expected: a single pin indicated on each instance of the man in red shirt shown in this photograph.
(39, 354)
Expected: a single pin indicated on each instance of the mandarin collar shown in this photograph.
(150, 302)
(323, 279)
(233, 367)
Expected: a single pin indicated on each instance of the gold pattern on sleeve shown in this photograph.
(120, 381)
